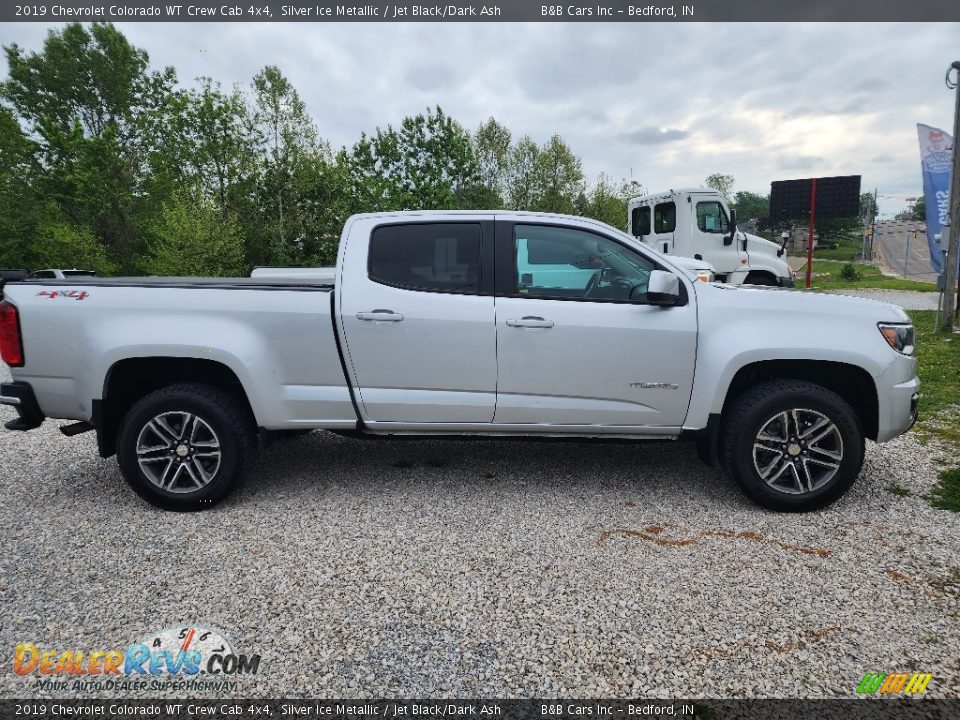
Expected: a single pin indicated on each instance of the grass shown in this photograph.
(826, 276)
(946, 493)
(938, 360)
(898, 490)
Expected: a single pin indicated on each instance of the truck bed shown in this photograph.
(275, 335)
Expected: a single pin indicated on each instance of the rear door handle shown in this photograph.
(530, 321)
(380, 315)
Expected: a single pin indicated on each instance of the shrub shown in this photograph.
(850, 272)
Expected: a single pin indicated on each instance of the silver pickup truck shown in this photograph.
(462, 323)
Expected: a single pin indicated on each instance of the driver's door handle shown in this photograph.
(380, 315)
(530, 321)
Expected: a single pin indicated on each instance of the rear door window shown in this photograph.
(665, 217)
(640, 220)
(437, 257)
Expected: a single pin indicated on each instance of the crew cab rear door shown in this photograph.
(417, 315)
(584, 348)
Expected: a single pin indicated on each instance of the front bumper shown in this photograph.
(20, 395)
(899, 409)
(786, 282)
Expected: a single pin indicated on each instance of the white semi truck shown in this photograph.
(696, 223)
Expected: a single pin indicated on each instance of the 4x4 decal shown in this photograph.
(75, 294)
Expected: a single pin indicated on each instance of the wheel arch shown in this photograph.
(755, 275)
(130, 379)
(850, 382)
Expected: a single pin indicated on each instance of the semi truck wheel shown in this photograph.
(792, 445)
(185, 447)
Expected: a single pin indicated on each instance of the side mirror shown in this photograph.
(663, 288)
(728, 239)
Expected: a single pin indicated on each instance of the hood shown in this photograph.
(753, 298)
(690, 263)
(755, 243)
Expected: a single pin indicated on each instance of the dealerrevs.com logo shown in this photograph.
(179, 658)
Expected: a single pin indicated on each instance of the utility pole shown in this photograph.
(950, 290)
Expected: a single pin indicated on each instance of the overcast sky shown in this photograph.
(670, 103)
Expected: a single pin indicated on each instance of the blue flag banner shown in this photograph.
(936, 159)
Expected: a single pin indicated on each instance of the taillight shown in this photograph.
(11, 344)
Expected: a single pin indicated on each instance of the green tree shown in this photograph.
(559, 177)
(491, 145)
(721, 183)
(605, 202)
(630, 189)
(868, 207)
(919, 208)
(60, 243)
(751, 206)
(427, 163)
(523, 186)
(89, 102)
(287, 138)
(18, 202)
(192, 237)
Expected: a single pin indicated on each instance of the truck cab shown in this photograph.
(697, 223)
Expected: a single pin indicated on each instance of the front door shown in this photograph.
(576, 342)
(711, 227)
(420, 337)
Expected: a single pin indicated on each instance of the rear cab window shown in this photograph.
(433, 257)
(665, 217)
(640, 220)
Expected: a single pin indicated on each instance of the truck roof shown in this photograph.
(664, 194)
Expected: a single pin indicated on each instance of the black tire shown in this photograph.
(745, 454)
(224, 441)
(761, 279)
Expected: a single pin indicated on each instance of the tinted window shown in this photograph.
(711, 217)
(442, 257)
(640, 221)
(586, 267)
(42, 274)
(79, 273)
(665, 218)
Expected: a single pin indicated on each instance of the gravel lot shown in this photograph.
(465, 569)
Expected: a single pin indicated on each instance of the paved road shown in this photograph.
(891, 246)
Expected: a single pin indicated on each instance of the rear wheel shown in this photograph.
(185, 447)
(792, 445)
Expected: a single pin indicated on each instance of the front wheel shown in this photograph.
(792, 445)
(184, 447)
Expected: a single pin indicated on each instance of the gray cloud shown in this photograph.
(799, 162)
(651, 135)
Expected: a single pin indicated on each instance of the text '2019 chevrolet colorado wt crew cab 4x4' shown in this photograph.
(463, 323)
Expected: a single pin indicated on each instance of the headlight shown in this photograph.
(704, 276)
(899, 336)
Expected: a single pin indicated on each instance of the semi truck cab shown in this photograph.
(697, 223)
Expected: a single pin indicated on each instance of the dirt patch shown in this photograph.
(651, 535)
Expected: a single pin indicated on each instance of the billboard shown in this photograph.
(836, 197)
